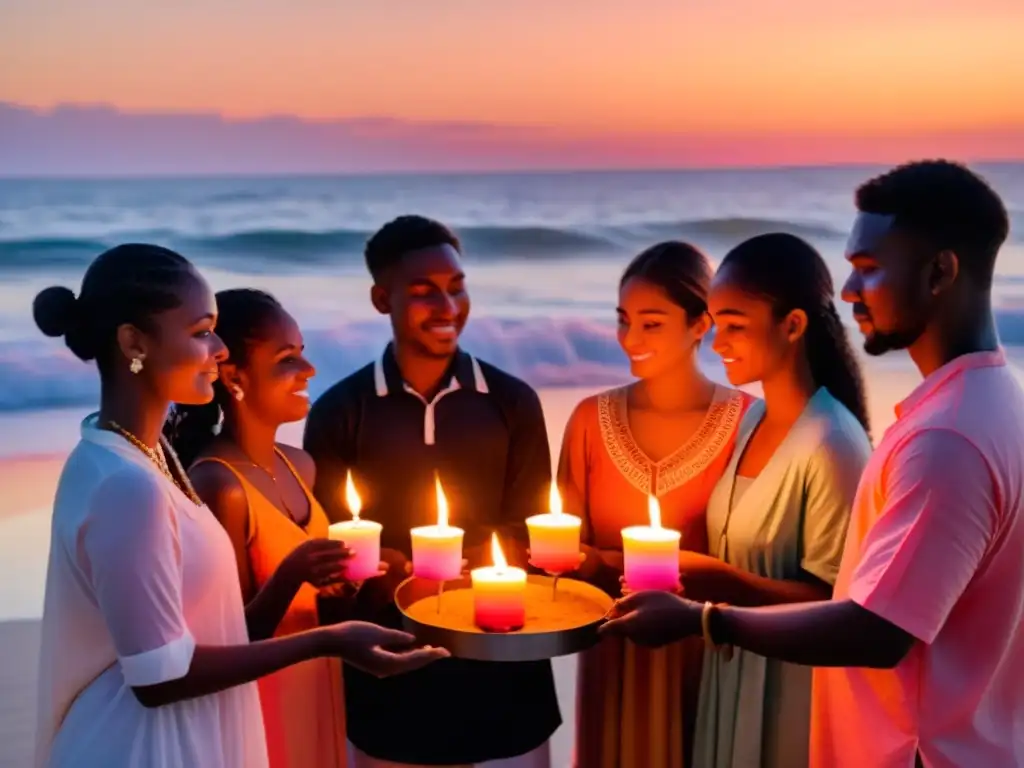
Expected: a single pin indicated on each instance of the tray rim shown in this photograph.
(504, 646)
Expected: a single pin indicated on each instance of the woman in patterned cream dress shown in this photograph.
(669, 434)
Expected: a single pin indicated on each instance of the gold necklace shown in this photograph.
(159, 457)
(273, 477)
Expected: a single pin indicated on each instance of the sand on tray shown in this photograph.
(575, 605)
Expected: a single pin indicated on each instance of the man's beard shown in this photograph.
(882, 342)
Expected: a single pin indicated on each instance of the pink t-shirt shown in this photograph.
(936, 546)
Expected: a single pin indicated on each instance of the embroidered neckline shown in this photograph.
(682, 465)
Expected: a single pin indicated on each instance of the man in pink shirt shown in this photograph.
(920, 653)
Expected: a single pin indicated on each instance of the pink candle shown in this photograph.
(554, 538)
(651, 553)
(437, 549)
(499, 594)
(362, 537)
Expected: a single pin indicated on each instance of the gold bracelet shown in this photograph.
(705, 623)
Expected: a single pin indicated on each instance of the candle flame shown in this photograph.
(442, 503)
(555, 503)
(654, 511)
(352, 500)
(496, 554)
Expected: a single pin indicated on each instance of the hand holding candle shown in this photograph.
(437, 549)
(499, 593)
(554, 538)
(362, 537)
(651, 553)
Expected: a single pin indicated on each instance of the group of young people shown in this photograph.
(839, 606)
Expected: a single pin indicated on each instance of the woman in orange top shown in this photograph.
(260, 491)
(669, 434)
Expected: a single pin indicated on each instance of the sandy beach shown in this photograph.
(29, 481)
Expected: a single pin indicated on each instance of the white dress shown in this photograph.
(138, 576)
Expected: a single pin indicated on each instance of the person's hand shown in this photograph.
(340, 589)
(352, 587)
(394, 568)
(376, 650)
(320, 562)
(705, 577)
(613, 559)
(394, 559)
(653, 618)
(599, 567)
(378, 592)
(624, 588)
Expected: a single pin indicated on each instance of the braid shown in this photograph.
(190, 428)
(833, 364)
(791, 274)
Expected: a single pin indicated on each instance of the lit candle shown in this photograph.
(651, 553)
(362, 537)
(499, 593)
(554, 538)
(437, 549)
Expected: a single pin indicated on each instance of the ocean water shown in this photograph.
(543, 254)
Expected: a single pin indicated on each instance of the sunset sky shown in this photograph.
(874, 68)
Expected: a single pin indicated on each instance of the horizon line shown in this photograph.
(566, 171)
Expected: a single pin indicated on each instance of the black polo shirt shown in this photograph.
(484, 435)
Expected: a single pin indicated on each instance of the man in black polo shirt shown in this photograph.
(425, 407)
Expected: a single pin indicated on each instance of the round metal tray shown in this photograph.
(520, 645)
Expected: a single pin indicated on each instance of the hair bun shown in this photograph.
(54, 310)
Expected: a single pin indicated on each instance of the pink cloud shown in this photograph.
(101, 140)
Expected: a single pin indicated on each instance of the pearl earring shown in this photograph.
(136, 365)
(239, 394)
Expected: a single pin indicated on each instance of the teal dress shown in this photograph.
(754, 712)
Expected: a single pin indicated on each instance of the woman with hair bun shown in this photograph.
(669, 434)
(146, 656)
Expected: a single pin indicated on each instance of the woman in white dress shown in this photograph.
(145, 656)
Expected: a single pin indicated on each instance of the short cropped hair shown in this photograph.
(403, 235)
(947, 205)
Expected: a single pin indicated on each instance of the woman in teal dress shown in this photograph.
(777, 518)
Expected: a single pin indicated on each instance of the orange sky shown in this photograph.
(589, 66)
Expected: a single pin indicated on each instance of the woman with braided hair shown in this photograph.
(778, 516)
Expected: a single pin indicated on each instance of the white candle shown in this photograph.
(554, 538)
(362, 537)
(651, 553)
(437, 549)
